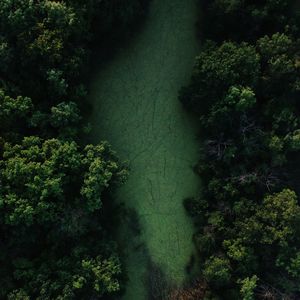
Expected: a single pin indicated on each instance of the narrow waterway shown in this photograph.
(136, 108)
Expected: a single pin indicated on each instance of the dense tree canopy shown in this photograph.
(245, 93)
(218, 68)
(245, 20)
(54, 190)
(51, 191)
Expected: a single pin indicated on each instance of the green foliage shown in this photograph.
(241, 98)
(245, 90)
(65, 119)
(75, 275)
(14, 113)
(18, 295)
(54, 187)
(217, 271)
(55, 191)
(294, 267)
(36, 173)
(246, 19)
(247, 287)
(217, 69)
(294, 140)
(277, 44)
(278, 214)
(102, 273)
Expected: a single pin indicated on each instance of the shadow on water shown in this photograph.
(157, 284)
(136, 108)
(161, 287)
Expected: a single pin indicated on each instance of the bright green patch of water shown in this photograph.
(136, 108)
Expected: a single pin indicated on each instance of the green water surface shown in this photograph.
(136, 108)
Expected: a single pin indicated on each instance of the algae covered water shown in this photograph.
(136, 108)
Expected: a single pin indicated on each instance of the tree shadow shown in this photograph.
(158, 285)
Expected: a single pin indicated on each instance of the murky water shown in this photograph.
(136, 108)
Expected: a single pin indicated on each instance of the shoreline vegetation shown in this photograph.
(56, 204)
(54, 189)
(245, 91)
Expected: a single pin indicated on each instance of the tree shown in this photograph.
(55, 193)
(244, 90)
(217, 271)
(226, 114)
(245, 19)
(278, 215)
(217, 69)
(248, 286)
(50, 208)
(65, 118)
(14, 113)
(37, 173)
(279, 65)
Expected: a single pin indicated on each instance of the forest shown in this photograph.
(56, 188)
(245, 93)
